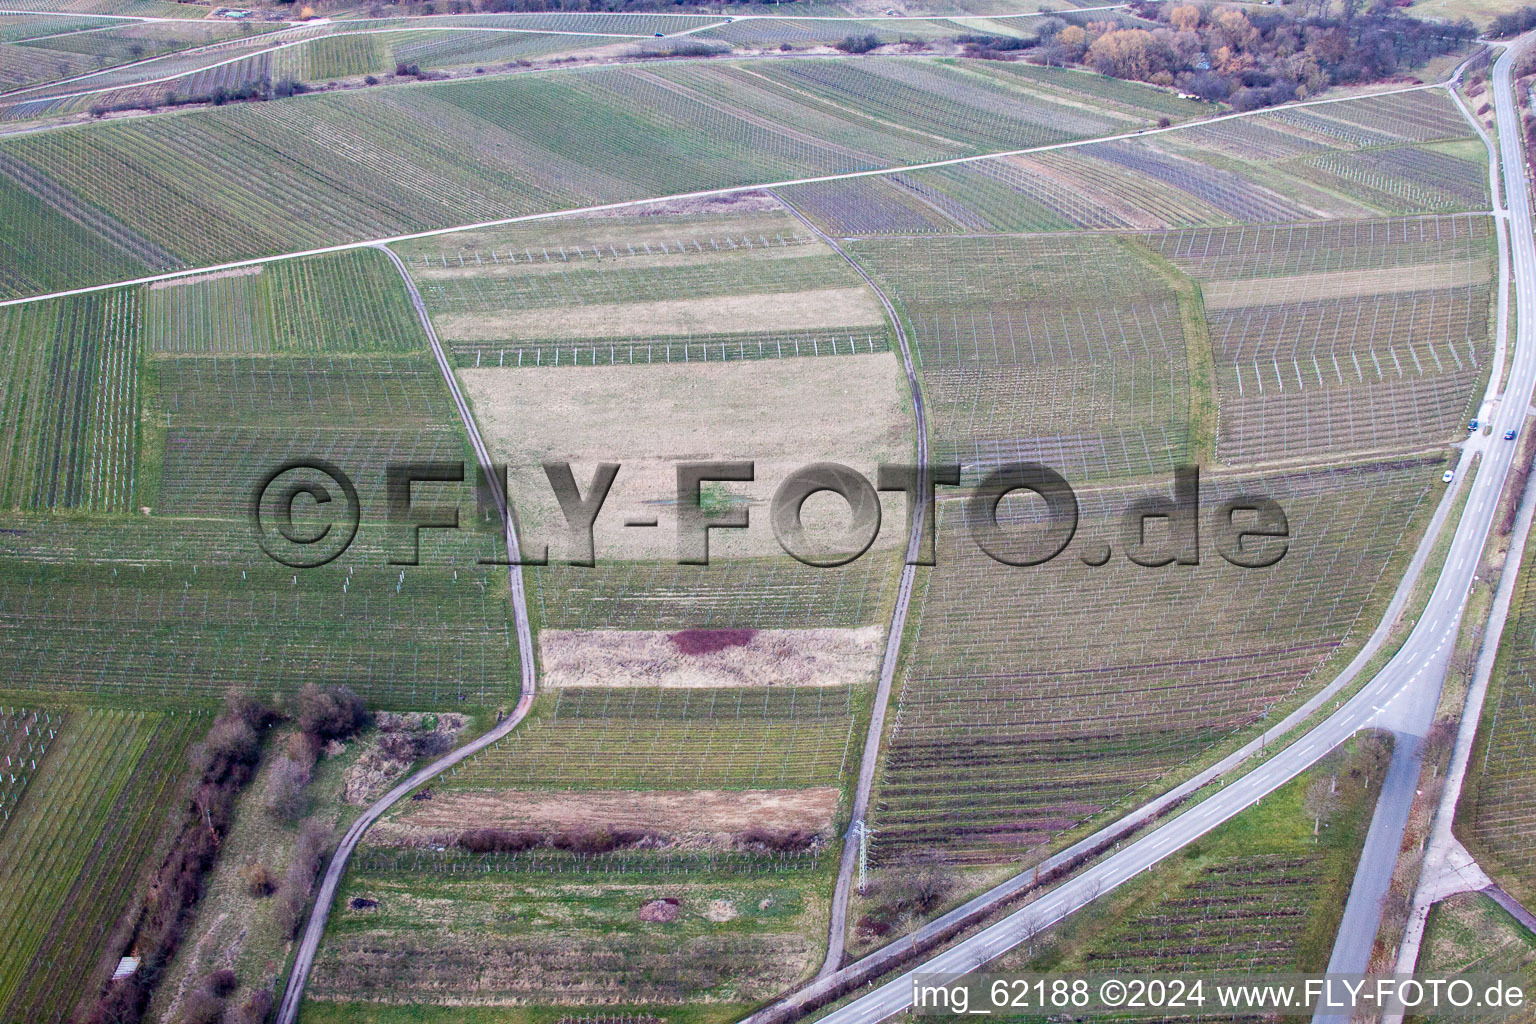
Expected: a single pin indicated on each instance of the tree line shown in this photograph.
(1252, 58)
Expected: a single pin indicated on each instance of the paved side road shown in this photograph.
(1393, 699)
(314, 929)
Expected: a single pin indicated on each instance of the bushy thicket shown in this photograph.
(331, 713)
(586, 840)
(912, 891)
(858, 43)
(1249, 57)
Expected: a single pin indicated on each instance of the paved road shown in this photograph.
(1394, 698)
(314, 929)
(1378, 858)
(837, 929)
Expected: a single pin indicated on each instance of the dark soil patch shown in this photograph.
(708, 641)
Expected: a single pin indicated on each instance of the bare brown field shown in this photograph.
(682, 814)
(781, 414)
(772, 657)
(1266, 291)
(716, 314)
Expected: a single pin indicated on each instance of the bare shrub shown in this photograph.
(285, 799)
(768, 840)
(253, 1009)
(303, 748)
(498, 840)
(293, 893)
(331, 714)
(221, 982)
(257, 879)
(708, 641)
(913, 891)
(598, 840)
(201, 1008)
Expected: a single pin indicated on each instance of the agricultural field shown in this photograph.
(676, 739)
(990, 694)
(71, 403)
(16, 27)
(1404, 153)
(772, 32)
(727, 333)
(79, 47)
(218, 381)
(91, 819)
(24, 737)
(178, 612)
(698, 909)
(1375, 338)
(1069, 350)
(742, 279)
(121, 8)
(591, 933)
(776, 257)
(355, 54)
(251, 179)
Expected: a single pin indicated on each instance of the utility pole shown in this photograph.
(860, 834)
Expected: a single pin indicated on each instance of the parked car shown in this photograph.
(1448, 476)
(1472, 426)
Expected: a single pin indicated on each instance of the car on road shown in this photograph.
(1448, 476)
(1472, 426)
(1509, 435)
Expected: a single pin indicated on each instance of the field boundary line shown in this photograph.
(526, 218)
(17, 96)
(314, 929)
(838, 925)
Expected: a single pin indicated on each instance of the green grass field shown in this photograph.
(634, 738)
(536, 937)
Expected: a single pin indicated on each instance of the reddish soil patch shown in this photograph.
(708, 641)
(660, 911)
